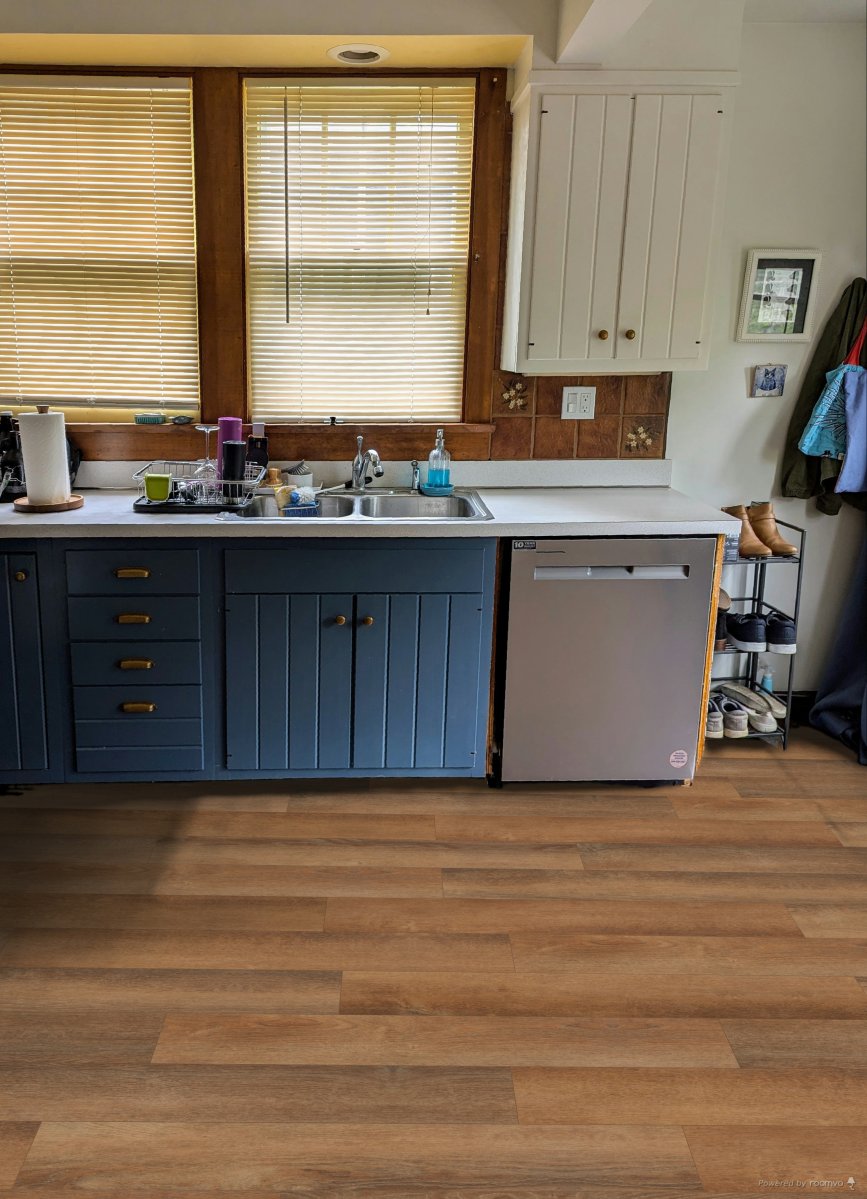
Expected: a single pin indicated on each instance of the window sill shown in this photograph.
(319, 443)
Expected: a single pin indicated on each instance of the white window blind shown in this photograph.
(97, 243)
(358, 213)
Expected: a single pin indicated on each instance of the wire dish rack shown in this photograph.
(194, 489)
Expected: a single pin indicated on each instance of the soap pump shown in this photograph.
(439, 464)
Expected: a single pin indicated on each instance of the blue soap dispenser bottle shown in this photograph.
(439, 463)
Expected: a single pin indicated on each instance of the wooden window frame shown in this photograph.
(220, 256)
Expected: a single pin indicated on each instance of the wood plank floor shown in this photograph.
(435, 990)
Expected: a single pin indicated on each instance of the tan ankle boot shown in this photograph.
(749, 545)
(764, 525)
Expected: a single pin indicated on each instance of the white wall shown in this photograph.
(796, 178)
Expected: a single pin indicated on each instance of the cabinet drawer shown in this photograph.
(136, 732)
(136, 570)
(107, 703)
(159, 619)
(338, 568)
(147, 760)
(134, 663)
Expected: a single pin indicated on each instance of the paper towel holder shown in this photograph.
(23, 504)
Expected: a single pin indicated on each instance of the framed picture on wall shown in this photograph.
(779, 295)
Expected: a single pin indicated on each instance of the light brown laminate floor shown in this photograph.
(435, 990)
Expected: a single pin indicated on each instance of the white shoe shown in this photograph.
(756, 701)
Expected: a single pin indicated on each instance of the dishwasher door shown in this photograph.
(606, 654)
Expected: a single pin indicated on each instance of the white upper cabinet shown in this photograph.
(613, 201)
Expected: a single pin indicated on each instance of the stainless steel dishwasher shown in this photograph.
(605, 658)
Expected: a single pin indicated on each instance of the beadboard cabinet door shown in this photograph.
(344, 684)
(23, 718)
(612, 273)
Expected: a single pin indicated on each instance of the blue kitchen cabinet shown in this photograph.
(23, 705)
(392, 680)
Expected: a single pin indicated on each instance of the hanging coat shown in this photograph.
(803, 476)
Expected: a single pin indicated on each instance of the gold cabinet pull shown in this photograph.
(602, 334)
(135, 664)
(132, 618)
(629, 335)
(368, 620)
(138, 707)
(340, 620)
(132, 572)
(21, 576)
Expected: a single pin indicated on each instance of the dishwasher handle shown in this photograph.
(574, 574)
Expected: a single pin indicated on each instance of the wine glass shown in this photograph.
(208, 468)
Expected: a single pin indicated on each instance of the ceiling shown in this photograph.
(805, 10)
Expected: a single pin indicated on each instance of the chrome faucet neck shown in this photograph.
(360, 464)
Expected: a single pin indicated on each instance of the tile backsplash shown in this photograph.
(629, 422)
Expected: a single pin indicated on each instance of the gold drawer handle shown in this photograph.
(135, 664)
(368, 620)
(340, 620)
(132, 572)
(135, 707)
(132, 618)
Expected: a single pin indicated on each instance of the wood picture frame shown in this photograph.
(779, 295)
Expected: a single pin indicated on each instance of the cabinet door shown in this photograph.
(417, 663)
(666, 241)
(288, 682)
(580, 205)
(23, 741)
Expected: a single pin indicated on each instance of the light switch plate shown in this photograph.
(579, 403)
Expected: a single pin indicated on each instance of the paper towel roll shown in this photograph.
(46, 467)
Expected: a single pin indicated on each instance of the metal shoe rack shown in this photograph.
(756, 602)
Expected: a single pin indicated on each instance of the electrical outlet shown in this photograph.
(579, 403)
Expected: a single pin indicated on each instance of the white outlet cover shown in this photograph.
(579, 403)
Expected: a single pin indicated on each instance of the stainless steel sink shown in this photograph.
(378, 504)
(413, 506)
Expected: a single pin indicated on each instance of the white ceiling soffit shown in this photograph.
(805, 10)
(589, 28)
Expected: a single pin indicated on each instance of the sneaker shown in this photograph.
(756, 701)
(781, 634)
(713, 727)
(735, 717)
(762, 722)
(724, 603)
(748, 631)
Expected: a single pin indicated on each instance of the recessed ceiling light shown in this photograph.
(358, 54)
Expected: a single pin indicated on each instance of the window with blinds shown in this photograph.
(358, 214)
(97, 243)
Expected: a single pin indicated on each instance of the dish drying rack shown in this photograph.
(193, 490)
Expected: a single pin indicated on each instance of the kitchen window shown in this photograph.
(97, 244)
(358, 204)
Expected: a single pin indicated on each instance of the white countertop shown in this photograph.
(517, 512)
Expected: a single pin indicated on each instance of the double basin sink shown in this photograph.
(379, 504)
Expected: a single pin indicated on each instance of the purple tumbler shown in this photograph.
(229, 428)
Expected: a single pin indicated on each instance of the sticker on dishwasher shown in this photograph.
(523, 545)
(679, 758)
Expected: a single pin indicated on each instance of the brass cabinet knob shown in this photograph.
(138, 707)
(21, 576)
(132, 572)
(629, 335)
(340, 620)
(135, 664)
(132, 618)
(368, 620)
(602, 334)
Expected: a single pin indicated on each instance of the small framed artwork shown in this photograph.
(779, 295)
(769, 380)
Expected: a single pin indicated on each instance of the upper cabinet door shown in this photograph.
(666, 240)
(619, 204)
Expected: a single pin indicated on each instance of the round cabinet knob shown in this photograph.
(340, 620)
(629, 335)
(602, 334)
(368, 620)
(20, 576)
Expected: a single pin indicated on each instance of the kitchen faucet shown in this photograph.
(361, 462)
